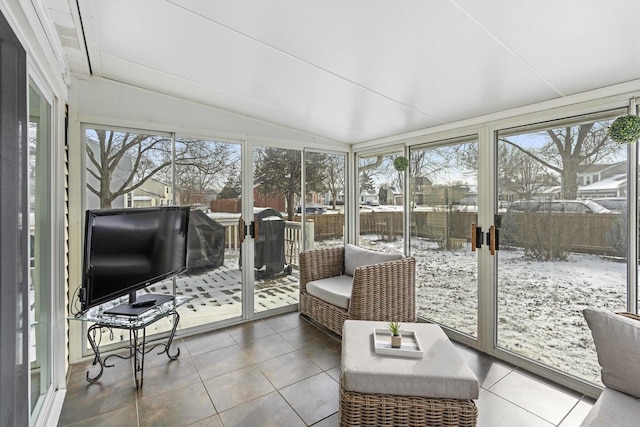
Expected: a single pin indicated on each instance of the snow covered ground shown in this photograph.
(539, 302)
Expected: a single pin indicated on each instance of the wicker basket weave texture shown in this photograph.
(383, 292)
(360, 409)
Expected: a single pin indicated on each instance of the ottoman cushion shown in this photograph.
(440, 373)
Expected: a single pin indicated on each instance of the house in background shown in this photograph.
(421, 187)
(591, 174)
(151, 194)
(599, 181)
(612, 186)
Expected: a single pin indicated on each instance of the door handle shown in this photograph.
(493, 237)
(243, 230)
(476, 237)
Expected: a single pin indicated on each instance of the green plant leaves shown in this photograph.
(625, 129)
(401, 163)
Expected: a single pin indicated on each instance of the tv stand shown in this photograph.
(139, 305)
(136, 325)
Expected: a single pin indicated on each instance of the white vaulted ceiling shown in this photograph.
(354, 70)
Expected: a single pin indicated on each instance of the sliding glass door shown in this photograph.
(207, 178)
(562, 217)
(243, 251)
(132, 169)
(443, 201)
(276, 233)
(556, 195)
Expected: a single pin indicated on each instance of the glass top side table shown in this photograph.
(134, 324)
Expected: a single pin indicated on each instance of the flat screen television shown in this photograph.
(128, 249)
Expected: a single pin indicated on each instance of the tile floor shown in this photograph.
(281, 371)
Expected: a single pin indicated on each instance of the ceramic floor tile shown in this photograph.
(578, 413)
(543, 398)
(213, 421)
(95, 399)
(237, 387)
(494, 411)
(266, 411)
(125, 416)
(288, 369)
(331, 421)
(168, 376)
(250, 331)
(204, 343)
(118, 369)
(305, 336)
(265, 348)
(285, 322)
(78, 374)
(178, 407)
(487, 370)
(326, 355)
(219, 362)
(154, 357)
(334, 373)
(314, 398)
(298, 359)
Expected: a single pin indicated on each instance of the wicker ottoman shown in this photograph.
(381, 390)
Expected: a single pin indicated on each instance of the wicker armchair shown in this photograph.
(383, 291)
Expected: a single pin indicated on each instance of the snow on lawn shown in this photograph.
(539, 302)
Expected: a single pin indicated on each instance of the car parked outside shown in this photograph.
(313, 209)
(572, 206)
(614, 204)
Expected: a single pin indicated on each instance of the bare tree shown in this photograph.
(569, 148)
(147, 155)
(122, 162)
(519, 173)
(335, 176)
(202, 167)
(370, 163)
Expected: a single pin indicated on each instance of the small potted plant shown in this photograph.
(396, 338)
(625, 129)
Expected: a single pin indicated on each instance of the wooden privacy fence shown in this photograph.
(586, 233)
(577, 232)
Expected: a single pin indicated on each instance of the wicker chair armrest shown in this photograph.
(384, 291)
(316, 264)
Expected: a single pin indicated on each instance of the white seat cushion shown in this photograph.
(355, 256)
(440, 373)
(333, 290)
(613, 409)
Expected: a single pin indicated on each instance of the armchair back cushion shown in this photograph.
(617, 340)
(355, 256)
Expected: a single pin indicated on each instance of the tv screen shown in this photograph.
(128, 249)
